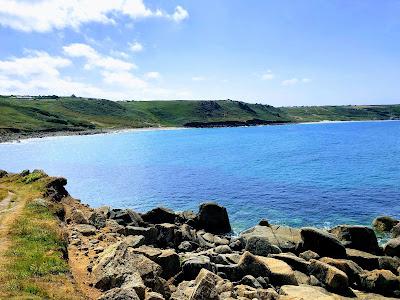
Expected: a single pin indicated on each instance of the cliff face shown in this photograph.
(162, 254)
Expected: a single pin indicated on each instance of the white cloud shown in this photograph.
(198, 78)
(39, 73)
(180, 14)
(294, 81)
(152, 75)
(136, 47)
(95, 59)
(268, 75)
(46, 15)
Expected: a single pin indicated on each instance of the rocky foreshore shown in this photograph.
(162, 254)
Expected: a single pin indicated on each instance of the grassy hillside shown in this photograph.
(60, 114)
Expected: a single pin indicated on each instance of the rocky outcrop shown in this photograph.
(159, 215)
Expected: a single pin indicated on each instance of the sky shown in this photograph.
(277, 52)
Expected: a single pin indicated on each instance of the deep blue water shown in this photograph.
(305, 174)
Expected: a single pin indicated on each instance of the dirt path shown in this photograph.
(10, 209)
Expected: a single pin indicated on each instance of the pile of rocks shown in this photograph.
(167, 255)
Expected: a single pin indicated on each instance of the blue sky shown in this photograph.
(283, 52)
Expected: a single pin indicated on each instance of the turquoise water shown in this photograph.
(306, 174)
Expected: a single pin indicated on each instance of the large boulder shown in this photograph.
(253, 265)
(149, 233)
(281, 272)
(380, 281)
(260, 245)
(322, 242)
(126, 217)
(55, 188)
(205, 286)
(352, 270)
(168, 235)
(159, 215)
(306, 292)
(98, 218)
(333, 278)
(213, 218)
(384, 223)
(284, 237)
(296, 263)
(392, 247)
(357, 237)
(365, 260)
(192, 266)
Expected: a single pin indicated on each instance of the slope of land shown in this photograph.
(51, 115)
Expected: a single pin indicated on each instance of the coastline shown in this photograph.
(174, 255)
(25, 136)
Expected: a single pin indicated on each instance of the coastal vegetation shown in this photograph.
(55, 247)
(49, 115)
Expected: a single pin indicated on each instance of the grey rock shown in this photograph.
(259, 245)
(192, 266)
(308, 254)
(98, 219)
(126, 217)
(85, 229)
(149, 233)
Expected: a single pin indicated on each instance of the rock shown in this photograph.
(85, 229)
(126, 217)
(169, 262)
(301, 278)
(118, 261)
(247, 292)
(280, 272)
(237, 244)
(187, 246)
(77, 217)
(149, 233)
(324, 243)
(307, 255)
(306, 292)
(357, 237)
(250, 264)
(113, 227)
(384, 223)
(352, 270)
(205, 286)
(120, 294)
(192, 266)
(54, 189)
(396, 231)
(219, 241)
(333, 278)
(392, 247)
(259, 245)
(159, 215)
(3, 173)
(380, 281)
(134, 240)
(223, 249)
(188, 217)
(389, 263)
(286, 238)
(250, 281)
(98, 219)
(293, 261)
(153, 296)
(168, 235)
(213, 218)
(365, 260)
(263, 222)
(188, 233)
(134, 282)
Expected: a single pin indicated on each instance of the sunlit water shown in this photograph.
(305, 174)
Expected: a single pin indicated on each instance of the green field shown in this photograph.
(55, 114)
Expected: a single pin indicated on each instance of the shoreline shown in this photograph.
(12, 138)
(174, 255)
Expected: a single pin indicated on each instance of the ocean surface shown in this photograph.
(306, 174)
